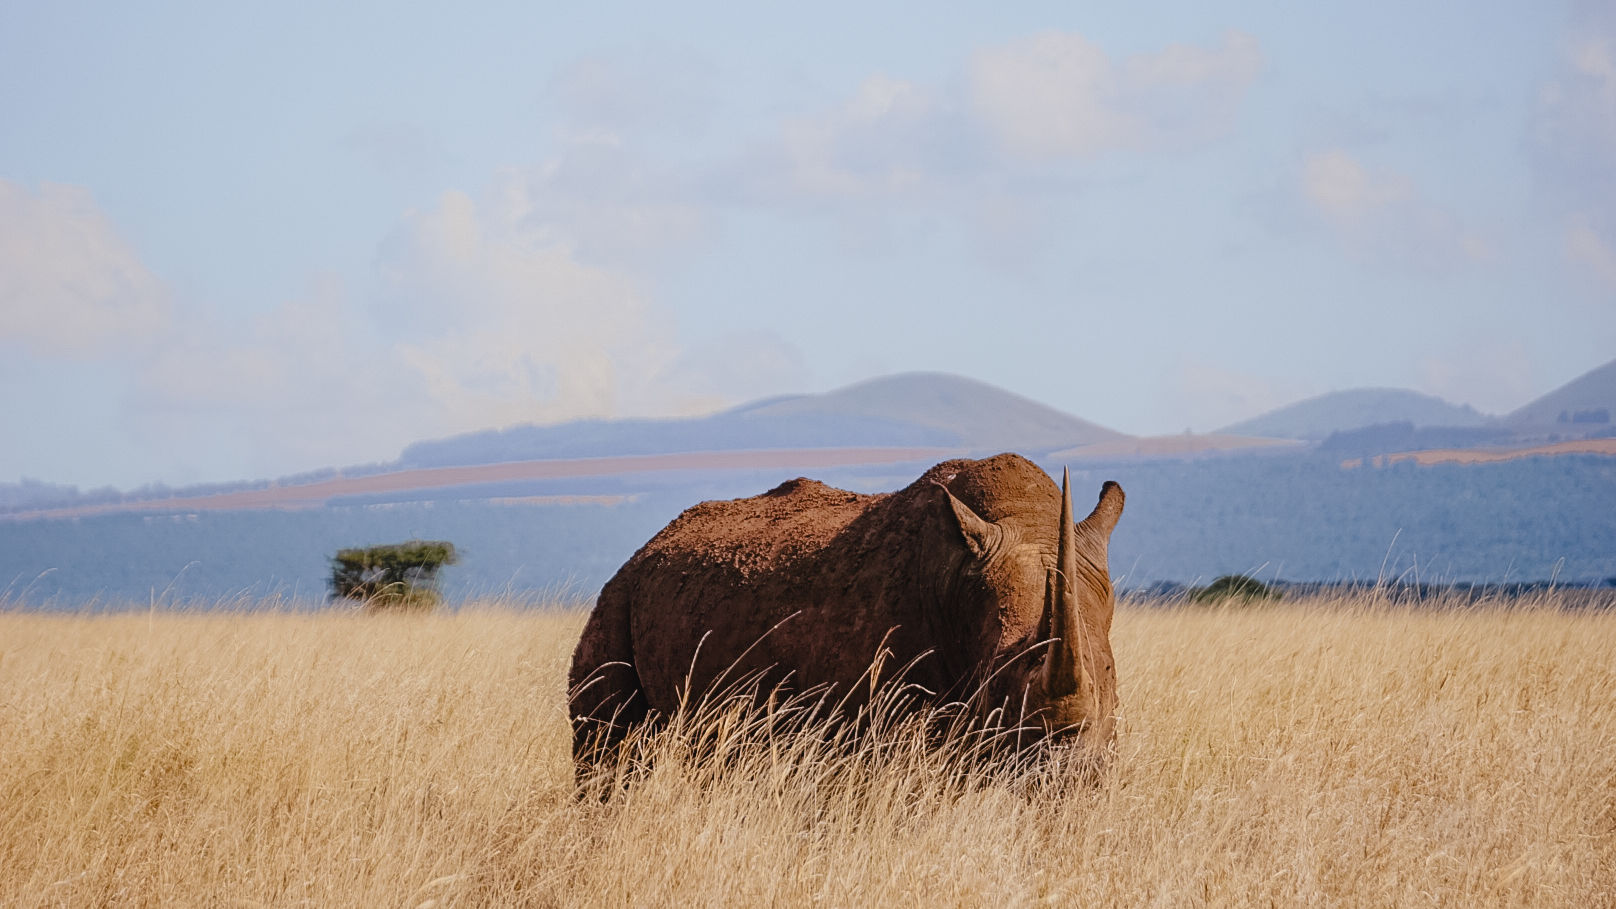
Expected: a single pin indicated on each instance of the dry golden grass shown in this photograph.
(1305, 754)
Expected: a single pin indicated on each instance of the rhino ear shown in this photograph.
(1106, 512)
(980, 535)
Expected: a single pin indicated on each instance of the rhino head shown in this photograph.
(1057, 678)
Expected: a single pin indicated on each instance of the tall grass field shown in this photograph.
(1320, 752)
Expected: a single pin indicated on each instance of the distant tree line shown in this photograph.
(1384, 438)
(1593, 415)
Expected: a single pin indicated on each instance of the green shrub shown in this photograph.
(394, 576)
(1240, 587)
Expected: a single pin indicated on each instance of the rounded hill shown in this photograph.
(975, 414)
(1339, 411)
(1584, 406)
(923, 409)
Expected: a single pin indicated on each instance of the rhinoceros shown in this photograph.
(973, 579)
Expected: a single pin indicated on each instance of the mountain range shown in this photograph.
(538, 509)
(1582, 408)
(922, 409)
(939, 410)
(874, 422)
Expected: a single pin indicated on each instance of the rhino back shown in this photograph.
(804, 578)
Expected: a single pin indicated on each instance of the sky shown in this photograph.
(247, 240)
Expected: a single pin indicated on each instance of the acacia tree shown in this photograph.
(394, 576)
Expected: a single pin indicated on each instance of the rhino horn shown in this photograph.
(1064, 672)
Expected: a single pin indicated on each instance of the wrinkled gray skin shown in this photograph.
(975, 577)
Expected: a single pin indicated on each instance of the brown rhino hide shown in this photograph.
(807, 585)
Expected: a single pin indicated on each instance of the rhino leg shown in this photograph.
(604, 687)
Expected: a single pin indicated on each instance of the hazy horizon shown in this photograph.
(401, 459)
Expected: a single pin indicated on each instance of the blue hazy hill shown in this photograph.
(1585, 406)
(907, 410)
(1319, 417)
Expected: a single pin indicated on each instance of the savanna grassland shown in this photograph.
(1312, 753)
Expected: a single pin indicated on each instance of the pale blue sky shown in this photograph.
(242, 242)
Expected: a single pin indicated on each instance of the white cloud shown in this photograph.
(502, 324)
(888, 140)
(1234, 63)
(1575, 128)
(291, 358)
(1060, 95)
(1017, 111)
(1573, 138)
(483, 317)
(1592, 56)
(1585, 246)
(526, 304)
(70, 285)
(304, 385)
(605, 205)
(1380, 215)
(1051, 95)
(990, 157)
(1344, 191)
